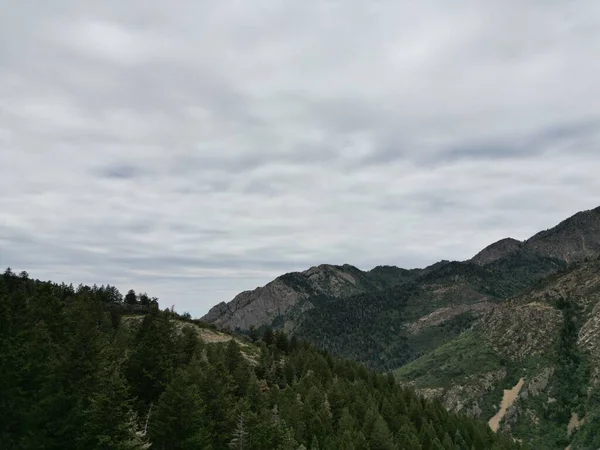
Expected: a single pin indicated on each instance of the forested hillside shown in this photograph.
(387, 328)
(78, 373)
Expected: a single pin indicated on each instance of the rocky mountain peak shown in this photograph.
(496, 251)
(574, 239)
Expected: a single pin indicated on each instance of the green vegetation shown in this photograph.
(587, 436)
(76, 375)
(568, 390)
(452, 362)
(367, 327)
(571, 367)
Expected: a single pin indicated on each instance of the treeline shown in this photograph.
(78, 373)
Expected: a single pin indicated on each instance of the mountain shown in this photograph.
(265, 304)
(573, 240)
(502, 270)
(390, 327)
(388, 316)
(543, 348)
(511, 336)
(81, 369)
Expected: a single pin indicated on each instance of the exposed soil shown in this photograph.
(510, 395)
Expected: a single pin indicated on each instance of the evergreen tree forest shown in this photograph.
(77, 372)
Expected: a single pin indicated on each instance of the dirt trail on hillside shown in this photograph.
(509, 398)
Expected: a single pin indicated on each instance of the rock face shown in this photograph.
(258, 307)
(497, 251)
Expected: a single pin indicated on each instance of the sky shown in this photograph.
(195, 149)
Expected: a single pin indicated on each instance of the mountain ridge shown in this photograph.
(264, 304)
(572, 240)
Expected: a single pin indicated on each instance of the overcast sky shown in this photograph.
(196, 149)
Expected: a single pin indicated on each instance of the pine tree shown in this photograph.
(268, 337)
(437, 445)
(380, 438)
(178, 422)
(459, 441)
(286, 440)
(281, 341)
(252, 333)
(233, 356)
(314, 445)
(152, 361)
(110, 422)
(447, 442)
(131, 297)
(240, 434)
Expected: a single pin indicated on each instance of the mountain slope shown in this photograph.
(391, 327)
(548, 337)
(387, 316)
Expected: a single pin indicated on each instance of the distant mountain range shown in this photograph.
(502, 269)
(463, 331)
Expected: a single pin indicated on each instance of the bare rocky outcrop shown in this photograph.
(574, 424)
(520, 331)
(463, 397)
(258, 307)
(538, 384)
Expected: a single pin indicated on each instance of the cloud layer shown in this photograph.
(197, 149)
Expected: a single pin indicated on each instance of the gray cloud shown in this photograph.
(196, 150)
